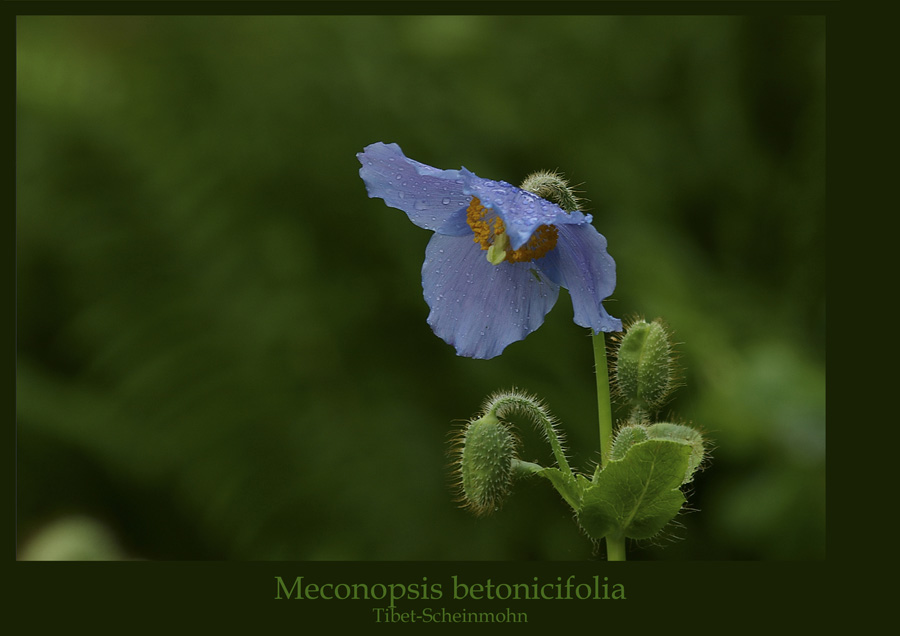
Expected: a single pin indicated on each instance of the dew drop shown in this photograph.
(446, 201)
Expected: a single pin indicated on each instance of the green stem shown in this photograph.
(523, 469)
(603, 402)
(615, 546)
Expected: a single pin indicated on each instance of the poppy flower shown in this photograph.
(498, 256)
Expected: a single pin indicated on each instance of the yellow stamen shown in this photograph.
(490, 233)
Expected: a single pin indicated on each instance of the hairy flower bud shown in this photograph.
(487, 448)
(552, 187)
(685, 435)
(626, 437)
(645, 368)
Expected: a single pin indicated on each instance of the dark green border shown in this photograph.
(698, 597)
(434, 7)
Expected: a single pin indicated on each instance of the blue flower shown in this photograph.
(498, 256)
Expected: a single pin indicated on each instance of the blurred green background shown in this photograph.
(221, 341)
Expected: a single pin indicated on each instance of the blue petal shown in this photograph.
(522, 211)
(581, 264)
(428, 196)
(456, 225)
(477, 307)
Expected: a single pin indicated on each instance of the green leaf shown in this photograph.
(637, 495)
(570, 486)
(566, 485)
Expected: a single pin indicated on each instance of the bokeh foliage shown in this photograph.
(222, 347)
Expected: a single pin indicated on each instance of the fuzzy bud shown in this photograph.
(553, 188)
(626, 437)
(685, 435)
(488, 448)
(645, 369)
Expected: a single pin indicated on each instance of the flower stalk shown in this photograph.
(604, 407)
(615, 545)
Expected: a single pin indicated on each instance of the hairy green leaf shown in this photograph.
(637, 495)
(566, 484)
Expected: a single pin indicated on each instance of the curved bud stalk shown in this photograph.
(486, 458)
(506, 403)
